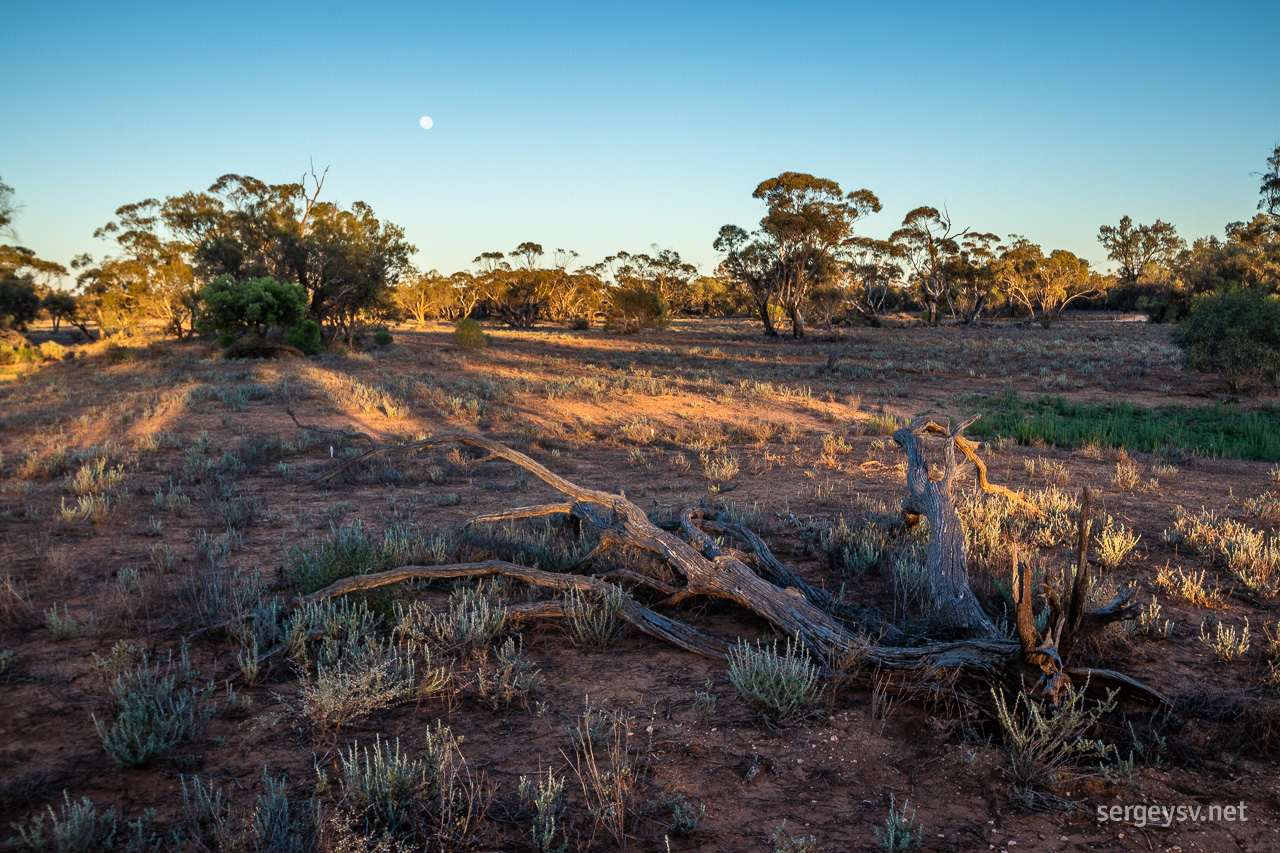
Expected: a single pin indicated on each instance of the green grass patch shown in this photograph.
(1216, 431)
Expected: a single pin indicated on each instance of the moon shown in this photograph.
(425, 122)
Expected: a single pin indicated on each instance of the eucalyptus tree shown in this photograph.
(1140, 248)
(808, 222)
(945, 264)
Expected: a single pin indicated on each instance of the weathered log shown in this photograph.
(831, 630)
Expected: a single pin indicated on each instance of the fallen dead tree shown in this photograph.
(753, 578)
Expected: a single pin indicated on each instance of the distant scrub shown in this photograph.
(1235, 335)
(1220, 431)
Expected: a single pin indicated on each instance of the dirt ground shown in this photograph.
(644, 414)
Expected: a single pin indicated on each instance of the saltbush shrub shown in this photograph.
(1235, 334)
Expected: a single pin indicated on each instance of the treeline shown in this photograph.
(258, 262)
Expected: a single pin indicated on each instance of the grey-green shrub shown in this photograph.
(405, 803)
(155, 711)
(782, 686)
(74, 828)
(592, 616)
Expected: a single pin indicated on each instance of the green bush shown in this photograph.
(254, 305)
(305, 337)
(1235, 334)
(468, 335)
(629, 311)
(19, 304)
(382, 338)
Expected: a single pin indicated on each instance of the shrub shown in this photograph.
(75, 828)
(382, 338)
(784, 842)
(630, 310)
(19, 304)
(475, 618)
(52, 351)
(468, 335)
(780, 686)
(1225, 641)
(897, 836)
(154, 714)
(254, 305)
(408, 804)
(305, 337)
(592, 617)
(509, 679)
(1045, 740)
(544, 800)
(358, 685)
(316, 564)
(1236, 335)
(276, 823)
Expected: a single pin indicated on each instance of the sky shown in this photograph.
(599, 127)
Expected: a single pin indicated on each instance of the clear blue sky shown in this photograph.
(606, 126)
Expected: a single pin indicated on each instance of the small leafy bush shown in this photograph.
(250, 306)
(1235, 334)
(631, 310)
(468, 335)
(305, 337)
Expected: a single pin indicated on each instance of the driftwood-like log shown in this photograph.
(952, 606)
(753, 578)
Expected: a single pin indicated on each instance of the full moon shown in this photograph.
(426, 122)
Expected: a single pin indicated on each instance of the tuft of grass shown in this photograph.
(782, 686)
(1228, 643)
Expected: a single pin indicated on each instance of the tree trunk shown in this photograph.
(952, 605)
(767, 318)
(797, 321)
